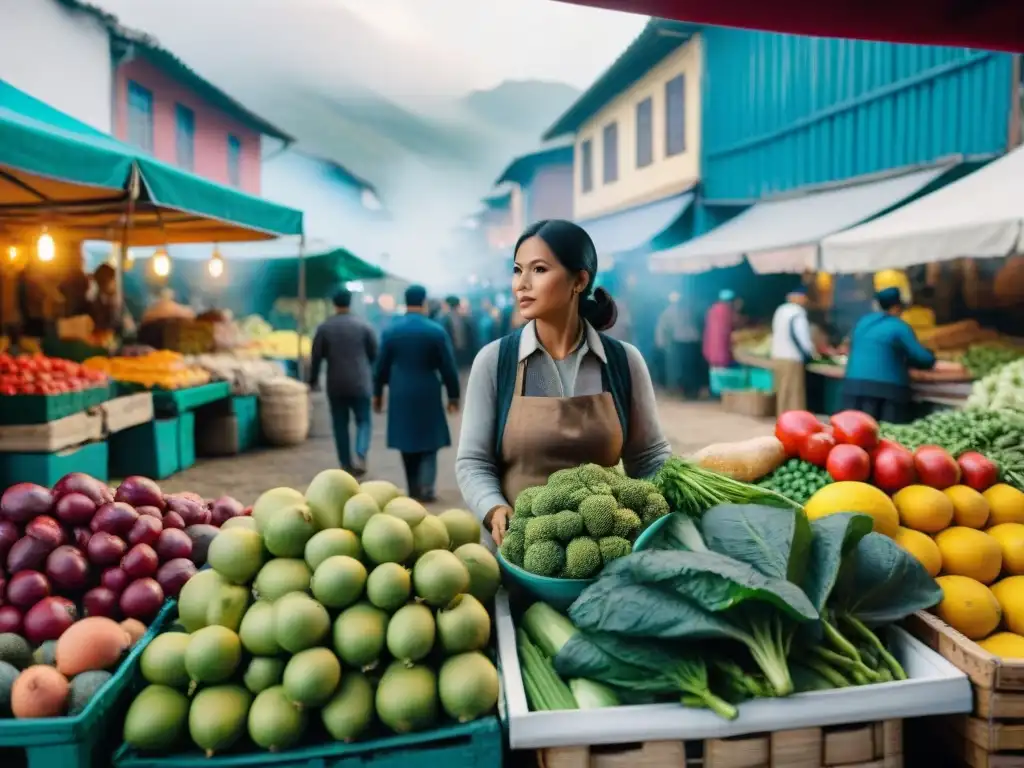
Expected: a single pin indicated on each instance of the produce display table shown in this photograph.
(47, 468)
(39, 409)
(935, 687)
(177, 401)
(151, 449)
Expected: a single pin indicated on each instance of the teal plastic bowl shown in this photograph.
(558, 593)
(645, 539)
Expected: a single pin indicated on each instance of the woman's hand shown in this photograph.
(499, 523)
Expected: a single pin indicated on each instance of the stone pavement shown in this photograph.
(688, 426)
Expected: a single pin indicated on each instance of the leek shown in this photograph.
(547, 628)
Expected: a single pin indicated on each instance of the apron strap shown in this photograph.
(509, 379)
(616, 379)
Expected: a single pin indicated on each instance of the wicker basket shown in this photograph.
(284, 412)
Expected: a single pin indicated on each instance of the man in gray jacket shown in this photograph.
(349, 345)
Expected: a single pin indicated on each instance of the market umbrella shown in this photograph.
(60, 173)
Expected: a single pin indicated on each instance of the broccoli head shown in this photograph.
(518, 523)
(568, 525)
(627, 524)
(613, 547)
(566, 477)
(541, 529)
(592, 475)
(512, 547)
(632, 494)
(544, 558)
(577, 497)
(552, 499)
(654, 507)
(582, 558)
(598, 514)
(524, 501)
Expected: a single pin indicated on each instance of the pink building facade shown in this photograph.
(180, 126)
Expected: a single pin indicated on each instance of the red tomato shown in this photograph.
(849, 462)
(817, 447)
(794, 427)
(935, 467)
(977, 471)
(855, 428)
(893, 469)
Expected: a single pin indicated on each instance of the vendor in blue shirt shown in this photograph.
(883, 349)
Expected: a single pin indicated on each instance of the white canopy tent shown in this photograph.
(980, 215)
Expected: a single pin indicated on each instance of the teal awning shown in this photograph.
(58, 172)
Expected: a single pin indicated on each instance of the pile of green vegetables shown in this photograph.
(1002, 388)
(797, 480)
(982, 359)
(998, 434)
(583, 519)
(691, 489)
(763, 603)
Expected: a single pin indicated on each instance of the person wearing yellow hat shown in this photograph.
(883, 349)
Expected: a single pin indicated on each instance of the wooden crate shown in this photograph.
(992, 736)
(866, 745)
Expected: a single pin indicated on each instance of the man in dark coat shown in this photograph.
(349, 345)
(416, 357)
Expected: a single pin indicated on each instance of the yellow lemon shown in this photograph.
(1011, 541)
(1005, 645)
(923, 508)
(1006, 504)
(921, 546)
(969, 507)
(850, 496)
(968, 606)
(967, 552)
(1010, 594)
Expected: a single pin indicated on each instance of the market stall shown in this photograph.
(62, 183)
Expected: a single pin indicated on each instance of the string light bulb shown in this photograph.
(12, 253)
(46, 249)
(215, 266)
(129, 260)
(161, 263)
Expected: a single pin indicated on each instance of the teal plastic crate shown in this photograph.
(82, 741)
(186, 440)
(150, 449)
(247, 413)
(40, 409)
(47, 468)
(468, 745)
(175, 401)
(762, 379)
(728, 379)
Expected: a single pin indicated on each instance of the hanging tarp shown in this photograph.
(635, 228)
(58, 172)
(782, 236)
(980, 215)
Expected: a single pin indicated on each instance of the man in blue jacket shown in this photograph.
(416, 357)
(883, 349)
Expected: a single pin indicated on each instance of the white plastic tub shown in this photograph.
(935, 687)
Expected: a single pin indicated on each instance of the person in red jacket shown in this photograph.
(719, 323)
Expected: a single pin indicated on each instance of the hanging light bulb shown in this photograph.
(45, 248)
(12, 253)
(161, 263)
(215, 266)
(129, 260)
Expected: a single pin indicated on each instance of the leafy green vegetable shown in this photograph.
(644, 665)
(692, 490)
(678, 531)
(833, 538)
(593, 695)
(775, 541)
(671, 594)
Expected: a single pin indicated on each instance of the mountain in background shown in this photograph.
(522, 106)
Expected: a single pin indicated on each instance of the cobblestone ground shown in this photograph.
(688, 426)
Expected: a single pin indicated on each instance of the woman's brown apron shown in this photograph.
(545, 434)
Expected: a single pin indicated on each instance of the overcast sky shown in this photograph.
(460, 44)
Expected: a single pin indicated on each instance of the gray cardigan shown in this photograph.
(476, 467)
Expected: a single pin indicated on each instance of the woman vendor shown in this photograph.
(883, 349)
(558, 392)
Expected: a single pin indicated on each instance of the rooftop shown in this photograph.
(657, 40)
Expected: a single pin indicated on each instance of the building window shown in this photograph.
(234, 161)
(644, 133)
(140, 116)
(675, 116)
(185, 137)
(587, 165)
(610, 142)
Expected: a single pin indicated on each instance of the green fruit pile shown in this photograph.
(350, 604)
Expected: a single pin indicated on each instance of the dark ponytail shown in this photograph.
(575, 251)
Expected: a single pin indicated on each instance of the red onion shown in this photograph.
(116, 518)
(79, 482)
(105, 548)
(173, 575)
(146, 530)
(9, 534)
(140, 491)
(173, 520)
(27, 554)
(49, 619)
(101, 601)
(47, 530)
(68, 569)
(173, 543)
(27, 588)
(140, 561)
(23, 501)
(142, 600)
(75, 509)
(10, 619)
(150, 512)
(115, 580)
